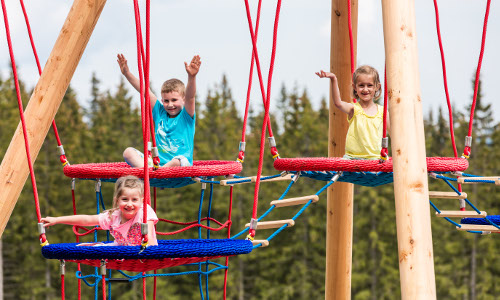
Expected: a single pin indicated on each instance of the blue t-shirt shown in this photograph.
(174, 136)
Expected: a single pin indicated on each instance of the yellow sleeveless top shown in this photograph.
(364, 137)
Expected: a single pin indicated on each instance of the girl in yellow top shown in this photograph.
(365, 118)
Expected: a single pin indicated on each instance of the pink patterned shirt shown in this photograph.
(128, 233)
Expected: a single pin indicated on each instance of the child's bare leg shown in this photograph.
(133, 158)
(173, 163)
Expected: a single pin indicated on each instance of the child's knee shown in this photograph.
(129, 153)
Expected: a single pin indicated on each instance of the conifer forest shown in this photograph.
(467, 265)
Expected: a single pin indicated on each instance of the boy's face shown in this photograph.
(173, 103)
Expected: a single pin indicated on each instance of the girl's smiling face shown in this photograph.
(365, 87)
(129, 203)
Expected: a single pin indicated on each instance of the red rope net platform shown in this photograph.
(434, 164)
(173, 177)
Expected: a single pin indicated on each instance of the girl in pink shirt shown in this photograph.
(124, 220)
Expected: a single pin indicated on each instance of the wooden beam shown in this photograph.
(461, 180)
(413, 222)
(45, 100)
(339, 214)
(295, 201)
(470, 227)
(264, 243)
(447, 195)
(273, 224)
(461, 214)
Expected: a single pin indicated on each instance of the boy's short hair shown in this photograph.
(174, 85)
(366, 70)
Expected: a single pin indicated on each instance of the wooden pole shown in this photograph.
(411, 191)
(339, 216)
(45, 100)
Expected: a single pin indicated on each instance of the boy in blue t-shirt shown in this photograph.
(174, 118)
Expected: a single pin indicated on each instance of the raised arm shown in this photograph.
(82, 220)
(134, 81)
(192, 69)
(346, 107)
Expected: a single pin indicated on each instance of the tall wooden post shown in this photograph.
(416, 261)
(45, 100)
(339, 217)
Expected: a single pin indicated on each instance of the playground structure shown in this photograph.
(409, 165)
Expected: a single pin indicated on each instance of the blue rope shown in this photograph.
(96, 270)
(79, 275)
(208, 235)
(267, 212)
(200, 207)
(140, 275)
(447, 180)
(304, 207)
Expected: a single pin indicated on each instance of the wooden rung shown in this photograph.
(470, 227)
(281, 178)
(234, 181)
(461, 214)
(264, 243)
(447, 195)
(273, 224)
(461, 180)
(294, 201)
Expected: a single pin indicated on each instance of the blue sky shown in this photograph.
(217, 30)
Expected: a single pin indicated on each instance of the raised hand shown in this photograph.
(122, 62)
(194, 66)
(323, 74)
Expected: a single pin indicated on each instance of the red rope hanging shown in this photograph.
(266, 104)
(241, 154)
(384, 153)
(62, 156)
(467, 149)
(145, 107)
(259, 72)
(43, 239)
(445, 80)
(351, 39)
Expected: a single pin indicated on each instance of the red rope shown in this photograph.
(384, 152)
(35, 54)
(189, 223)
(62, 287)
(103, 287)
(21, 114)
(467, 149)
(445, 80)
(257, 61)
(267, 102)
(241, 154)
(145, 106)
(77, 237)
(351, 38)
(144, 286)
(225, 225)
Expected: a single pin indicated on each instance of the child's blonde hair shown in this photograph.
(366, 70)
(174, 85)
(130, 182)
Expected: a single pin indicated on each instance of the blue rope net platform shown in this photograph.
(168, 253)
(172, 177)
(359, 178)
(482, 221)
